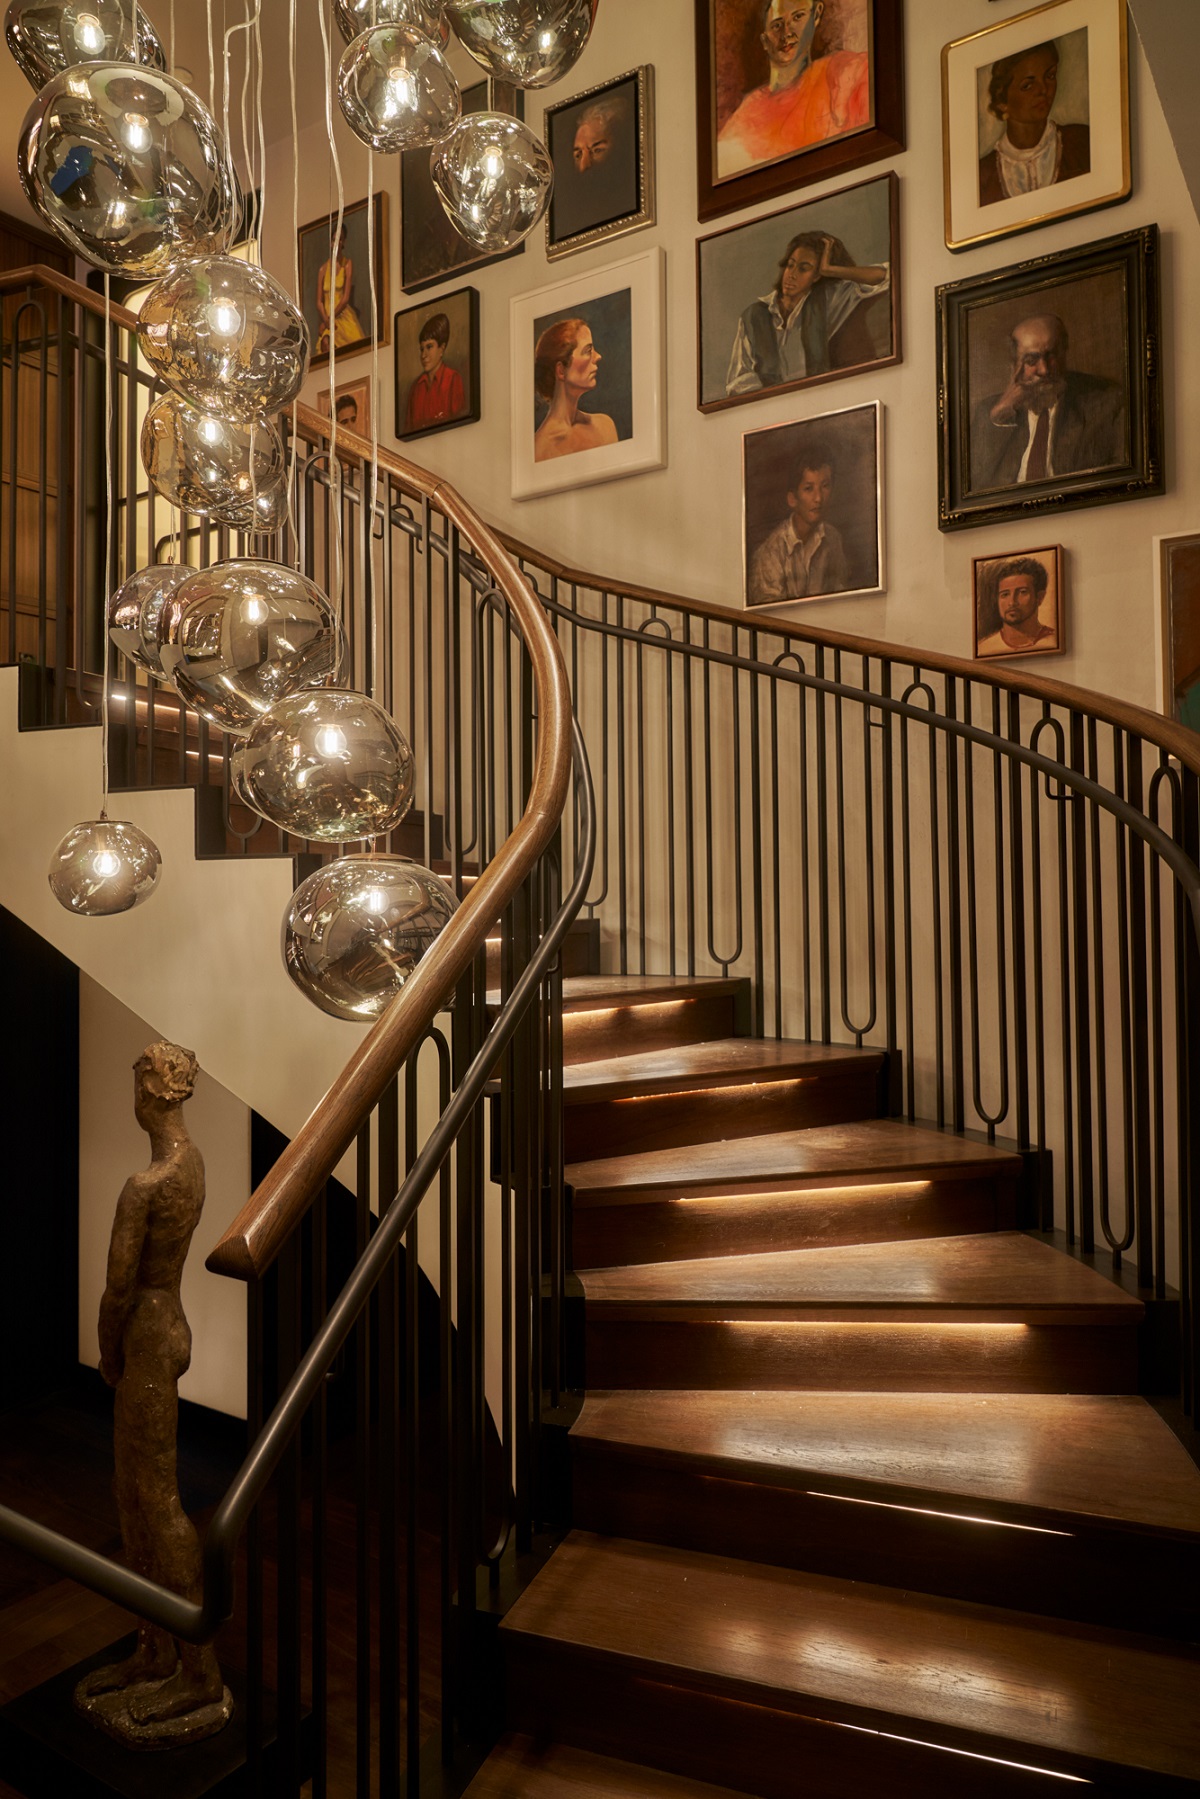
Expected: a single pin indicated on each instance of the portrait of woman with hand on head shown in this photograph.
(565, 367)
(793, 331)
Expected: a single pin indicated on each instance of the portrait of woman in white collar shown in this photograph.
(1035, 149)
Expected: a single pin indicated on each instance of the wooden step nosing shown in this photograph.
(817, 1482)
(607, 1090)
(799, 1185)
(801, 1703)
(966, 1313)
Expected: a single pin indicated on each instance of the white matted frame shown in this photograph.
(1093, 97)
(622, 306)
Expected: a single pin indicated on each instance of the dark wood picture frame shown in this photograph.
(988, 624)
(314, 242)
(778, 228)
(461, 307)
(1127, 449)
(571, 224)
(884, 137)
(431, 250)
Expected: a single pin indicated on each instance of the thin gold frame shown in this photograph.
(1114, 198)
(1046, 552)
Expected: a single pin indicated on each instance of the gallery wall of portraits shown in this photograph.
(946, 263)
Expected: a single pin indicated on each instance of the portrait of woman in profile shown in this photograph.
(335, 300)
(565, 367)
(1034, 151)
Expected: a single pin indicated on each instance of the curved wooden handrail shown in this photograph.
(40, 274)
(280, 1201)
(1176, 739)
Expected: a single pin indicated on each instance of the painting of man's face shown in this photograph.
(1018, 603)
(790, 74)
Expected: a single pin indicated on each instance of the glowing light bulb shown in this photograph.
(331, 741)
(89, 34)
(403, 88)
(254, 611)
(105, 864)
(224, 318)
(493, 162)
(137, 131)
(210, 431)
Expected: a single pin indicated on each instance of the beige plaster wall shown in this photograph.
(680, 527)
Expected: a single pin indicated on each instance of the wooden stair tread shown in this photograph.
(616, 992)
(872, 1149)
(1055, 1455)
(987, 1679)
(723, 1062)
(1003, 1277)
(520, 1768)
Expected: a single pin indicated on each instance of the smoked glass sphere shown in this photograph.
(326, 765)
(397, 90)
(102, 867)
(226, 336)
(48, 36)
(529, 42)
(242, 635)
(493, 178)
(356, 929)
(128, 167)
(135, 612)
(214, 466)
(357, 16)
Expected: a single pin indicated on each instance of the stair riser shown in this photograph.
(1125, 1579)
(669, 1120)
(751, 1224)
(590, 1036)
(745, 1742)
(862, 1358)
(580, 952)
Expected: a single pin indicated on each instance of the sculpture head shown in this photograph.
(164, 1075)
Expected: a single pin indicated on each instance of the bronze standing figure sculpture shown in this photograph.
(166, 1692)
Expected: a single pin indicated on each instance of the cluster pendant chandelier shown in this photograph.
(131, 170)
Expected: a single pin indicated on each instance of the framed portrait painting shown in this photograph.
(335, 285)
(799, 297)
(352, 406)
(1179, 590)
(431, 250)
(792, 91)
(1035, 119)
(435, 350)
(587, 378)
(1017, 601)
(813, 507)
(602, 146)
(1050, 383)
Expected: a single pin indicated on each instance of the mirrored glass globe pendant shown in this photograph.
(135, 612)
(128, 167)
(493, 178)
(356, 929)
(48, 36)
(216, 467)
(356, 16)
(530, 42)
(326, 765)
(397, 90)
(242, 635)
(226, 336)
(104, 866)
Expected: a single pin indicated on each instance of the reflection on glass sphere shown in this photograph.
(48, 36)
(530, 42)
(355, 16)
(239, 637)
(135, 612)
(397, 89)
(326, 765)
(226, 336)
(104, 866)
(493, 178)
(128, 167)
(223, 470)
(355, 930)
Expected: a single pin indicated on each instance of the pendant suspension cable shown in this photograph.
(294, 472)
(371, 497)
(212, 67)
(171, 36)
(262, 132)
(109, 522)
(335, 467)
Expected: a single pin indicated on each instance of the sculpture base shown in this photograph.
(47, 1749)
(111, 1713)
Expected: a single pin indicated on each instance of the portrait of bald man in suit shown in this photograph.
(1049, 420)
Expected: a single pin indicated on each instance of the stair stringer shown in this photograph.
(200, 959)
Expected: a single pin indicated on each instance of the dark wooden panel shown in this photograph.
(520, 1768)
(717, 1113)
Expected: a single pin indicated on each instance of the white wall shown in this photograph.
(112, 1147)
(679, 528)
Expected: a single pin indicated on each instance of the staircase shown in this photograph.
(864, 1499)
